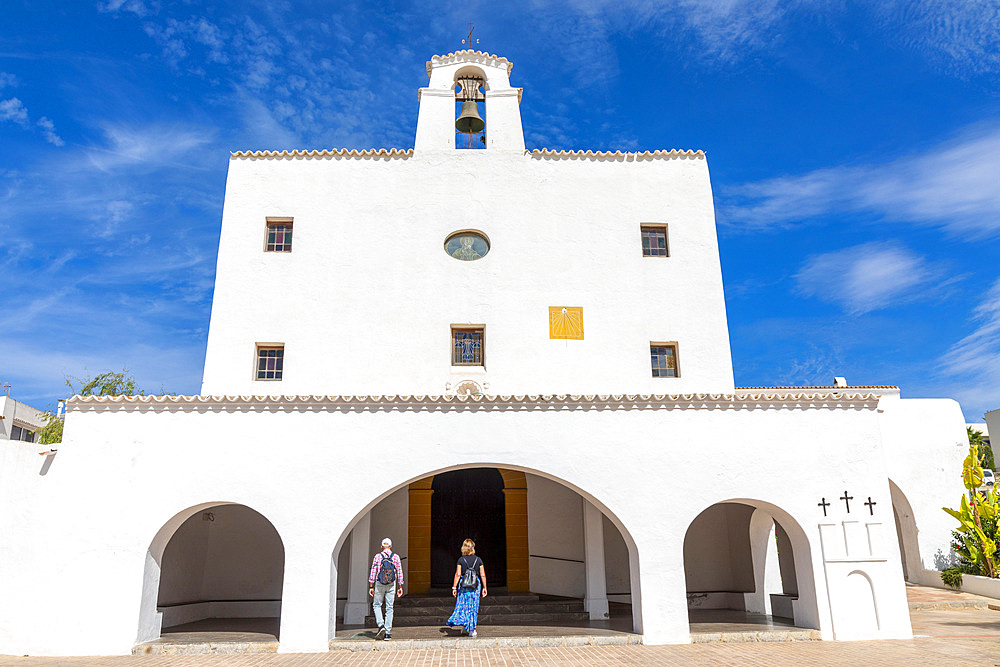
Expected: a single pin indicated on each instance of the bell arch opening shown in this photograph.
(470, 108)
(546, 546)
(214, 567)
(747, 562)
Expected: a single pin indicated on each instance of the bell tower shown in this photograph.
(467, 77)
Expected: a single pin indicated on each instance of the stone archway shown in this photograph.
(221, 561)
(748, 562)
(595, 563)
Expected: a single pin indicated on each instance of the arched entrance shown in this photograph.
(468, 504)
(906, 534)
(747, 563)
(215, 567)
(557, 546)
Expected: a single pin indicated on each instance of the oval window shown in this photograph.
(467, 245)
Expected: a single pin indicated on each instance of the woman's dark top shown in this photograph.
(470, 563)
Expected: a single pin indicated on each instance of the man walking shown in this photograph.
(385, 582)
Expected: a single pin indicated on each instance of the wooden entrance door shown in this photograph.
(468, 504)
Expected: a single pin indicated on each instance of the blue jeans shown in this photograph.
(385, 592)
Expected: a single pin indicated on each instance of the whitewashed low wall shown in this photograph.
(979, 585)
(716, 600)
(196, 611)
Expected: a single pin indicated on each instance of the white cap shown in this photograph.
(386, 542)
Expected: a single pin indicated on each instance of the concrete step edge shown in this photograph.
(484, 642)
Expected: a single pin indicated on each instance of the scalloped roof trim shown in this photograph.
(484, 401)
(672, 153)
(408, 152)
(468, 52)
(828, 386)
(343, 152)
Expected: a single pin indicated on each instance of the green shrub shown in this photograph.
(952, 577)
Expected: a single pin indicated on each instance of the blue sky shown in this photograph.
(854, 149)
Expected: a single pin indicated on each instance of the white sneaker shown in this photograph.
(473, 634)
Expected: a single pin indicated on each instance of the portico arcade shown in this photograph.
(540, 536)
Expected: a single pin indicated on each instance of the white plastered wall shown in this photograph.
(925, 443)
(147, 466)
(555, 539)
(368, 258)
(616, 571)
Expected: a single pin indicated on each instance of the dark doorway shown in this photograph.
(468, 504)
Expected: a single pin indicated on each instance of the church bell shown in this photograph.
(469, 120)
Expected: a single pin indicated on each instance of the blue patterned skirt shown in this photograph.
(466, 611)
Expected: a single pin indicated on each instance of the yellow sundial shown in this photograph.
(566, 322)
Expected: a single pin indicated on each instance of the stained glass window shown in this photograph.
(279, 237)
(654, 241)
(466, 347)
(663, 358)
(270, 362)
(467, 246)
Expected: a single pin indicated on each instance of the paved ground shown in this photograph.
(925, 597)
(947, 635)
(912, 653)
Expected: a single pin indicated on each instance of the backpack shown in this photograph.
(469, 578)
(386, 571)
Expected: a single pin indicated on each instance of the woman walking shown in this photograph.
(469, 586)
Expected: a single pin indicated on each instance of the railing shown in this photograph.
(470, 140)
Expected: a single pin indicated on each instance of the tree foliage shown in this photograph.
(985, 451)
(975, 541)
(110, 383)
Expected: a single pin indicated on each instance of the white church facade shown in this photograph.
(403, 342)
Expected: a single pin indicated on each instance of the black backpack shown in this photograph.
(469, 578)
(387, 570)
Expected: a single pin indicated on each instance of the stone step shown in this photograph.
(535, 608)
(772, 635)
(366, 645)
(437, 600)
(558, 618)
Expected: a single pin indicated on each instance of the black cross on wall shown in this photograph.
(871, 505)
(823, 504)
(847, 501)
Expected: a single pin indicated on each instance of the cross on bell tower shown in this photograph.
(468, 41)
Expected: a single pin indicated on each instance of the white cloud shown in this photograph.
(979, 352)
(49, 131)
(973, 363)
(7, 79)
(963, 35)
(157, 146)
(868, 277)
(952, 185)
(13, 110)
(137, 7)
(115, 212)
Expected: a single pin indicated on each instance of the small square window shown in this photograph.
(279, 236)
(270, 362)
(663, 359)
(467, 346)
(654, 241)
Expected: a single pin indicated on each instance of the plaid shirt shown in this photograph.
(377, 563)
